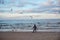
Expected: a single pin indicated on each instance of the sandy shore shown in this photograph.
(29, 36)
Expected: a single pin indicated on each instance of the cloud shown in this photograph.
(28, 16)
(34, 6)
(48, 6)
(58, 3)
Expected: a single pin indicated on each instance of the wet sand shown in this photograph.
(29, 36)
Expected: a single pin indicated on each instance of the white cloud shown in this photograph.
(29, 16)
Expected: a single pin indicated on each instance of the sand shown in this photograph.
(29, 36)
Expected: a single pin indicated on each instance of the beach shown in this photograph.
(29, 36)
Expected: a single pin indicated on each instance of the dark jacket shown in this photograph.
(34, 27)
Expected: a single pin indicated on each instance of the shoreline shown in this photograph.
(19, 30)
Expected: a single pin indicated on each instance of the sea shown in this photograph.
(27, 25)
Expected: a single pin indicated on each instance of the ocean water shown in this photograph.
(30, 21)
(27, 24)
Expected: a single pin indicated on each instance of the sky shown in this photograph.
(11, 9)
(32, 6)
(15, 16)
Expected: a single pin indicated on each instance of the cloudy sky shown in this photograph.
(50, 8)
(34, 6)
